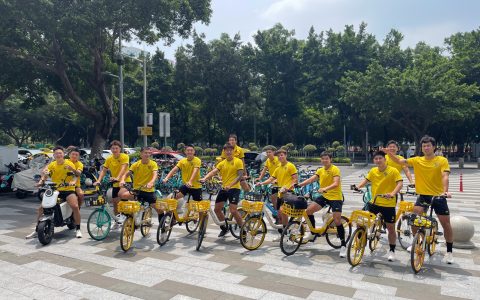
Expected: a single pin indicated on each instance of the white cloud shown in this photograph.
(433, 34)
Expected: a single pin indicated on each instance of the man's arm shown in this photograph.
(194, 174)
(312, 179)
(269, 180)
(237, 180)
(336, 182)
(122, 179)
(394, 157)
(397, 189)
(262, 173)
(446, 182)
(151, 183)
(294, 182)
(406, 170)
(171, 173)
(362, 183)
(209, 175)
(123, 172)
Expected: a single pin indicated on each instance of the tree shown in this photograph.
(73, 43)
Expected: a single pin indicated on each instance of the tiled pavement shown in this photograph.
(72, 268)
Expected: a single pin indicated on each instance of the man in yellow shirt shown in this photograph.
(117, 164)
(271, 164)
(393, 146)
(431, 179)
(238, 152)
(190, 169)
(330, 189)
(74, 157)
(286, 177)
(62, 171)
(231, 172)
(145, 173)
(387, 181)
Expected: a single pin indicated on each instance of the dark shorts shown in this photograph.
(440, 205)
(388, 213)
(146, 197)
(115, 191)
(279, 203)
(336, 205)
(64, 194)
(232, 196)
(275, 190)
(195, 193)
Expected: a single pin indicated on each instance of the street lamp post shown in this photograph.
(120, 83)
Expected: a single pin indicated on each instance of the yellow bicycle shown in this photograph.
(254, 229)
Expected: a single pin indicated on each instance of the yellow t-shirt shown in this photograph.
(284, 174)
(142, 174)
(238, 152)
(79, 167)
(59, 174)
(325, 178)
(186, 167)
(428, 174)
(272, 165)
(115, 165)
(228, 171)
(391, 163)
(384, 183)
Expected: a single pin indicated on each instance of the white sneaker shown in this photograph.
(277, 239)
(120, 218)
(409, 249)
(114, 226)
(32, 235)
(391, 256)
(449, 258)
(343, 251)
(78, 233)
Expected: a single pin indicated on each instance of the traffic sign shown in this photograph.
(164, 124)
(146, 131)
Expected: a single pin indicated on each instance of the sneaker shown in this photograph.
(310, 237)
(391, 256)
(115, 226)
(31, 235)
(78, 234)
(277, 239)
(343, 251)
(449, 258)
(409, 249)
(223, 232)
(120, 218)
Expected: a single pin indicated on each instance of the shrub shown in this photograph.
(198, 150)
(293, 152)
(32, 146)
(49, 146)
(310, 148)
(289, 146)
(335, 144)
(167, 148)
(344, 160)
(180, 147)
(155, 145)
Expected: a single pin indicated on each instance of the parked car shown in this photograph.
(166, 156)
(28, 152)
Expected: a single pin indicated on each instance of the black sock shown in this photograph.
(223, 227)
(312, 220)
(392, 248)
(77, 226)
(341, 234)
(449, 247)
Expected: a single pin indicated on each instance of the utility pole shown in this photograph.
(145, 98)
(120, 75)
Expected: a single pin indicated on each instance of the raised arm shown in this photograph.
(312, 179)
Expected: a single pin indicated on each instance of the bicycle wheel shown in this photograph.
(98, 224)
(146, 221)
(404, 232)
(356, 246)
(375, 234)
(202, 230)
(432, 241)
(292, 237)
(417, 254)
(332, 236)
(164, 229)
(252, 232)
(126, 237)
(192, 225)
(235, 228)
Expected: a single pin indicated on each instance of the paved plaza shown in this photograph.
(71, 268)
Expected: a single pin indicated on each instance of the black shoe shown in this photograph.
(223, 232)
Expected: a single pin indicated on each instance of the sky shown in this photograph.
(430, 21)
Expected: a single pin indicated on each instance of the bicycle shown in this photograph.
(293, 234)
(172, 217)
(404, 231)
(425, 239)
(367, 222)
(138, 214)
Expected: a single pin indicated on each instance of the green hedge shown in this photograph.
(344, 160)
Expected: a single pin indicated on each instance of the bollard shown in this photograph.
(463, 230)
(461, 182)
(478, 162)
(461, 162)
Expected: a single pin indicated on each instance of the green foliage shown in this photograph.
(293, 152)
(32, 146)
(335, 144)
(252, 147)
(344, 160)
(155, 145)
(134, 156)
(288, 147)
(198, 151)
(167, 148)
(180, 147)
(49, 146)
(310, 148)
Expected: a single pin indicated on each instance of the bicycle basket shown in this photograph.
(362, 218)
(252, 206)
(421, 221)
(253, 196)
(200, 206)
(406, 206)
(167, 204)
(292, 212)
(128, 207)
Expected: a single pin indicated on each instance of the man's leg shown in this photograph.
(80, 196)
(73, 202)
(236, 214)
